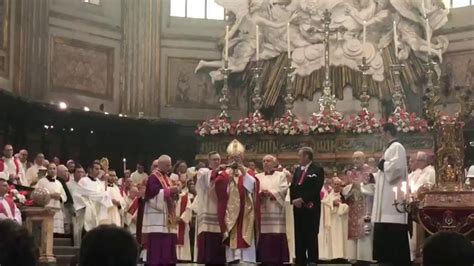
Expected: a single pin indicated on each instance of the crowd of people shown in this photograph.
(230, 212)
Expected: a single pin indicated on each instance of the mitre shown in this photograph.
(235, 148)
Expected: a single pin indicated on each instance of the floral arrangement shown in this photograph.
(215, 126)
(253, 124)
(364, 122)
(19, 197)
(408, 122)
(325, 121)
(288, 124)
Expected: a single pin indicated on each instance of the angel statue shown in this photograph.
(411, 26)
(242, 35)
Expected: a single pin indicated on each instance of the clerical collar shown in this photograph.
(269, 172)
(391, 142)
(110, 185)
(51, 179)
(92, 178)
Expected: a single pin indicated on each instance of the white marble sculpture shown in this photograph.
(346, 48)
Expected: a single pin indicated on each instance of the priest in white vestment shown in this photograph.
(209, 247)
(333, 226)
(8, 208)
(184, 214)
(79, 204)
(97, 199)
(32, 172)
(118, 204)
(391, 239)
(131, 207)
(272, 246)
(58, 196)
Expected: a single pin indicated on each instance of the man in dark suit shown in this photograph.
(305, 191)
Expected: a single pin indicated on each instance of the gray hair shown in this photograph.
(421, 155)
(164, 158)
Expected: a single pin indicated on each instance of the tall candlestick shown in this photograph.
(428, 36)
(364, 33)
(257, 43)
(226, 43)
(124, 165)
(288, 39)
(395, 38)
(395, 190)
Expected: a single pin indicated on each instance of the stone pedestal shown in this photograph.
(39, 221)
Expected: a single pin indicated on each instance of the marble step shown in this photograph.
(65, 250)
(62, 241)
(64, 260)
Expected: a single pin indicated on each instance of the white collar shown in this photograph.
(306, 166)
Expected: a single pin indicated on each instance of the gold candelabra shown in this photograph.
(397, 94)
(328, 99)
(364, 96)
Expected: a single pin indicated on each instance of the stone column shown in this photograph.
(141, 57)
(31, 52)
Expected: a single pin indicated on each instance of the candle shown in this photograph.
(257, 43)
(395, 38)
(364, 33)
(412, 186)
(226, 51)
(404, 189)
(124, 165)
(395, 190)
(288, 39)
(423, 10)
(428, 36)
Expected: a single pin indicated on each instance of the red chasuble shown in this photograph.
(238, 210)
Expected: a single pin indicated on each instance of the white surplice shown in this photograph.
(333, 228)
(79, 210)
(115, 212)
(205, 206)
(97, 202)
(290, 227)
(183, 252)
(129, 219)
(395, 172)
(57, 205)
(273, 210)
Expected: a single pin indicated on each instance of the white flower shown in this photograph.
(359, 130)
(405, 129)
(214, 131)
(321, 130)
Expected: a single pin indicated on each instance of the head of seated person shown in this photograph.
(447, 249)
(17, 247)
(108, 245)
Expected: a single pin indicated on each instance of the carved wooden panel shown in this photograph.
(81, 67)
(4, 38)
